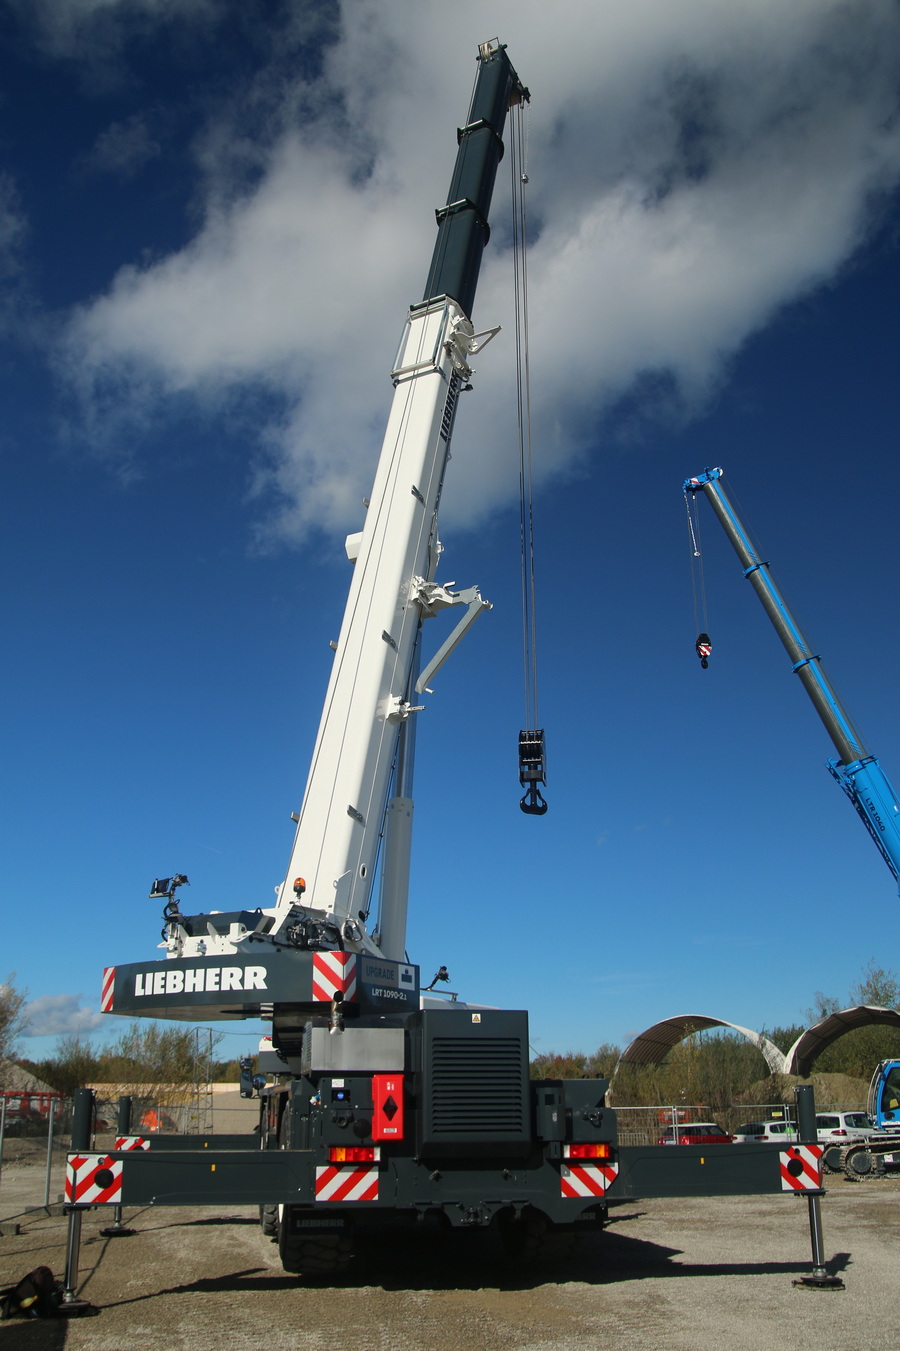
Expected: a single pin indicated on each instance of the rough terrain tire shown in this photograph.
(268, 1221)
(313, 1254)
(534, 1240)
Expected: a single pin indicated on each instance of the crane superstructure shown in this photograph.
(856, 769)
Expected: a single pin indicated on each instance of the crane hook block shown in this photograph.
(704, 647)
(532, 771)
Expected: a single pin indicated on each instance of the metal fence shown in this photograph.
(34, 1141)
(647, 1125)
(35, 1137)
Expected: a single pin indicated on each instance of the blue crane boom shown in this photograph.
(855, 769)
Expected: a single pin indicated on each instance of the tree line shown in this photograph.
(719, 1068)
(713, 1068)
(144, 1057)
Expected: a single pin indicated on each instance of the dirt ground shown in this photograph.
(665, 1276)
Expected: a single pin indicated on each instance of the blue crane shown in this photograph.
(855, 768)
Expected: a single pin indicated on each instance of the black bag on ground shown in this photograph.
(38, 1295)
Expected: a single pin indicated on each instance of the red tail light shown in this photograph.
(353, 1154)
(597, 1151)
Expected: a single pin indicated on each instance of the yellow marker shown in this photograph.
(212, 1167)
(702, 1160)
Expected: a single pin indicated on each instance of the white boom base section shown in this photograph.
(340, 821)
(391, 938)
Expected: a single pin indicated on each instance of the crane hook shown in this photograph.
(704, 647)
(532, 771)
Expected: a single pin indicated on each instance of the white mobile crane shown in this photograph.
(385, 1103)
(359, 789)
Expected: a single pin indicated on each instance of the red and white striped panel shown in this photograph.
(801, 1168)
(107, 989)
(347, 1182)
(334, 973)
(131, 1142)
(587, 1179)
(93, 1180)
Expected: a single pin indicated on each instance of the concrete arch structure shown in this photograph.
(654, 1045)
(814, 1040)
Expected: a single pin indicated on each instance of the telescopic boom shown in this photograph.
(856, 769)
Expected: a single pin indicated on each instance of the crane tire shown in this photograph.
(312, 1254)
(533, 1240)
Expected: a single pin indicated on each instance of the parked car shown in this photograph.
(843, 1127)
(28, 1113)
(766, 1132)
(695, 1133)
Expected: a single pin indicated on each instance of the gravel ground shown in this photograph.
(665, 1276)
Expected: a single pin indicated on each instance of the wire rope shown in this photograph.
(518, 159)
(703, 646)
(698, 578)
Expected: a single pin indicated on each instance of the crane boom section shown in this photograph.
(370, 694)
(463, 229)
(856, 769)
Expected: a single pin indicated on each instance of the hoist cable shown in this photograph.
(518, 146)
(698, 579)
(703, 645)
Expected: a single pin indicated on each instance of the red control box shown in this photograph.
(387, 1097)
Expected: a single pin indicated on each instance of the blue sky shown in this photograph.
(212, 219)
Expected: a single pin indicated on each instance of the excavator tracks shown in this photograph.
(864, 1161)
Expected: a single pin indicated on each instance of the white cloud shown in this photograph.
(13, 233)
(12, 226)
(694, 165)
(123, 147)
(73, 27)
(53, 1014)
